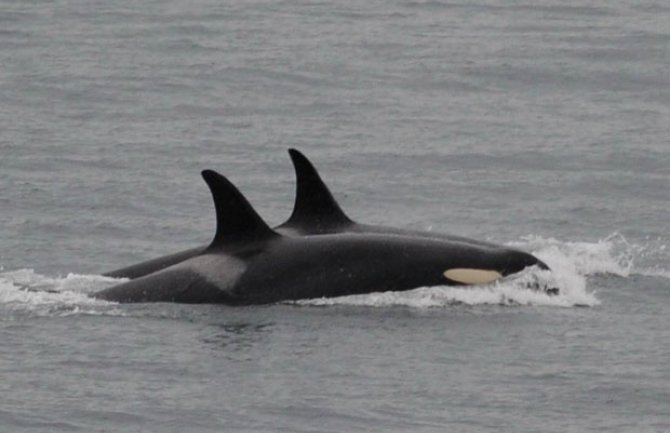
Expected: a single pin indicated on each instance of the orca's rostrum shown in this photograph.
(250, 263)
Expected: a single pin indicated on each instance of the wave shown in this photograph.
(654, 272)
(523, 290)
(572, 263)
(25, 292)
(613, 255)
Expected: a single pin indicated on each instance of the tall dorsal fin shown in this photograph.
(314, 203)
(236, 220)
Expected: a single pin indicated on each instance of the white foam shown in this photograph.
(522, 290)
(612, 255)
(27, 291)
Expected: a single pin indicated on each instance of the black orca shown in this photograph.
(250, 263)
(153, 265)
(315, 211)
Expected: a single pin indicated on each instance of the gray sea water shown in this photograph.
(544, 125)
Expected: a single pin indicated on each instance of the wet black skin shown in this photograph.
(249, 263)
(288, 268)
(145, 268)
(316, 212)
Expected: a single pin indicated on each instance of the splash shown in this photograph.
(25, 292)
(520, 291)
(654, 256)
(612, 255)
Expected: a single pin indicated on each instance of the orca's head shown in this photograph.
(517, 261)
(494, 265)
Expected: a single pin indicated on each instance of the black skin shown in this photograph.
(145, 268)
(250, 263)
(287, 268)
(316, 212)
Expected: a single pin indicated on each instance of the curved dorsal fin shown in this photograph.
(314, 203)
(236, 220)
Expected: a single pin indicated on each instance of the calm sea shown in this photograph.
(544, 125)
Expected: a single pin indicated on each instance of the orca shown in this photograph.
(315, 212)
(249, 263)
(147, 267)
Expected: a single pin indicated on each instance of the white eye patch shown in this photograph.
(472, 276)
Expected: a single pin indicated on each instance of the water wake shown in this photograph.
(27, 292)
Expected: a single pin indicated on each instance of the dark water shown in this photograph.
(541, 125)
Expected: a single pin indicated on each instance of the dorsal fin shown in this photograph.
(314, 203)
(236, 220)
